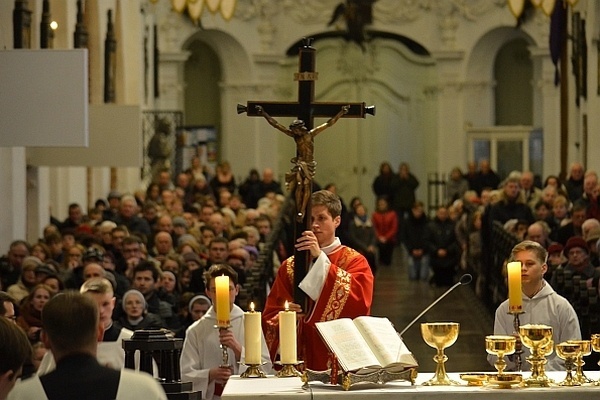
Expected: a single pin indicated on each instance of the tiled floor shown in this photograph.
(402, 300)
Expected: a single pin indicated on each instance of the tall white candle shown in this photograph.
(222, 305)
(515, 301)
(252, 333)
(287, 336)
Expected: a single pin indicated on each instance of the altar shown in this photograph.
(291, 389)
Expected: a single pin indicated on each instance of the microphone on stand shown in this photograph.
(464, 280)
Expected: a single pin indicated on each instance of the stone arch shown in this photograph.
(233, 58)
(479, 82)
(222, 61)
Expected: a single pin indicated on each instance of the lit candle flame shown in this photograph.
(252, 306)
(287, 306)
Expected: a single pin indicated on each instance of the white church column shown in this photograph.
(38, 191)
(69, 187)
(547, 108)
(13, 204)
(451, 144)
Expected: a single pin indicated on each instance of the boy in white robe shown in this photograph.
(202, 357)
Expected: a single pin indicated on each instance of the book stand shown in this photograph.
(348, 379)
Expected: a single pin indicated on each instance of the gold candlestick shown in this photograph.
(516, 311)
(224, 352)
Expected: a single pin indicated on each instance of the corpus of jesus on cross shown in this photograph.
(299, 179)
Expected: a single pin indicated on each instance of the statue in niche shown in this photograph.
(160, 148)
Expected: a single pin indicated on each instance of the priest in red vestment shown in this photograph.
(339, 284)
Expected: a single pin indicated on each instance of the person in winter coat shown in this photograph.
(415, 238)
(385, 223)
(443, 248)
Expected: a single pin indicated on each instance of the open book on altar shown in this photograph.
(366, 344)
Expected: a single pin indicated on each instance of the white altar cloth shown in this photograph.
(291, 389)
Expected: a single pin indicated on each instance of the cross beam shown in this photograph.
(305, 109)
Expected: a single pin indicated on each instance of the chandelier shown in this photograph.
(547, 6)
(195, 8)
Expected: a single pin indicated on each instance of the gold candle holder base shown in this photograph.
(288, 370)
(253, 371)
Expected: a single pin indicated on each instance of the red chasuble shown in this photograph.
(347, 293)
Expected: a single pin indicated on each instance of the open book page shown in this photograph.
(384, 342)
(346, 342)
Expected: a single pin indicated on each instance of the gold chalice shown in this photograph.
(536, 338)
(569, 352)
(500, 346)
(440, 335)
(586, 350)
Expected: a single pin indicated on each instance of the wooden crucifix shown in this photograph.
(299, 179)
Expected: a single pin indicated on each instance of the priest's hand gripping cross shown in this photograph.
(299, 179)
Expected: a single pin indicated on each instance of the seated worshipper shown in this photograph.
(238, 260)
(27, 280)
(201, 357)
(147, 278)
(41, 251)
(555, 260)
(541, 305)
(136, 314)
(15, 350)
(169, 289)
(110, 350)
(71, 331)
(197, 307)
(31, 311)
(8, 305)
(339, 284)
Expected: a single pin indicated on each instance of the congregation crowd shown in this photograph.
(156, 246)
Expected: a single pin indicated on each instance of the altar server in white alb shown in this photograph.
(201, 357)
(541, 305)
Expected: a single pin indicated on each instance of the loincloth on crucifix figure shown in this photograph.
(299, 179)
